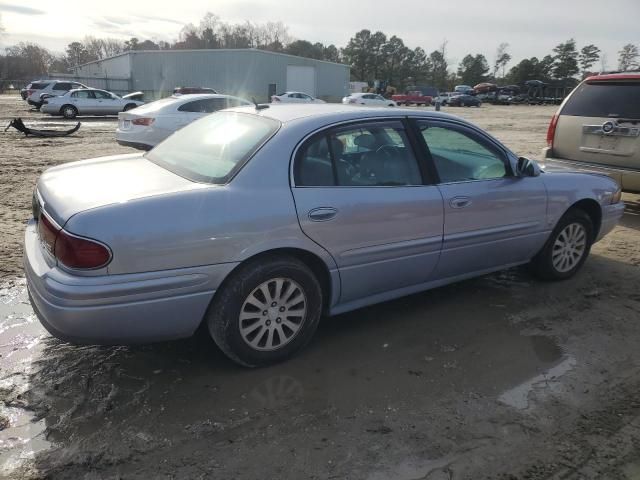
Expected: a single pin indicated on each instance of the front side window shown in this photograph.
(102, 95)
(83, 94)
(373, 154)
(214, 148)
(459, 157)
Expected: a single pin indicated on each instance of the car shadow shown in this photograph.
(631, 218)
(153, 408)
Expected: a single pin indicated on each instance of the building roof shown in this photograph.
(212, 50)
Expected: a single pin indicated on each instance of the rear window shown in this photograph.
(214, 148)
(605, 99)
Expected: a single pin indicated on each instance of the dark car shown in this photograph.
(464, 101)
(190, 90)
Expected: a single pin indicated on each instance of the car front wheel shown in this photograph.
(567, 248)
(266, 311)
(69, 111)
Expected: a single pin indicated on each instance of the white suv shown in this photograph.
(38, 91)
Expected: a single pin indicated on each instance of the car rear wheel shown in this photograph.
(462, 104)
(567, 248)
(69, 111)
(266, 311)
(129, 106)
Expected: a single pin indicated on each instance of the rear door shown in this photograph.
(361, 194)
(491, 217)
(84, 101)
(600, 124)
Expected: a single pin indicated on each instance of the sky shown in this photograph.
(532, 28)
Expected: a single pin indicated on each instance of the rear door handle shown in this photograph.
(460, 202)
(322, 214)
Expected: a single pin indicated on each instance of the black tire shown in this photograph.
(69, 111)
(542, 265)
(223, 315)
(129, 106)
(391, 105)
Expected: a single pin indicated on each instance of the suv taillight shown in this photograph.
(551, 131)
(70, 250)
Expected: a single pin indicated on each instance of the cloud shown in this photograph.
(20, 9)
(159, 19)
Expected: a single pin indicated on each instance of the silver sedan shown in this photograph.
(257, 221)
(89, 101)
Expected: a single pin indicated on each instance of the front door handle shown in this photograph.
(322, 214)
(460, 202)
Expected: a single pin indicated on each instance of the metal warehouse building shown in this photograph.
(243, 72)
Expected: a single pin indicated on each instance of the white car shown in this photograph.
(443, 98)
(368, 99)
(38, 91)
(150, 124)
(89, 101)
(295, 97)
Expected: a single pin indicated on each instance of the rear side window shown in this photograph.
(367, 155)
(214, 148)
(83, 94)
(605, 99)
(38, 85)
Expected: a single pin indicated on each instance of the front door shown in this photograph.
(492, 218)
(360, 193)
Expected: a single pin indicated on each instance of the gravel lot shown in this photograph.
(501, 377)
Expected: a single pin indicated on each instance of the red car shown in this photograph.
(412, 97)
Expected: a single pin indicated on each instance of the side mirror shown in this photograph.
(527, 167)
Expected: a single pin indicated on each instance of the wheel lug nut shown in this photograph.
(278, 320)
(282, 309)
(274, 304)
(264, 314)
(268, 323)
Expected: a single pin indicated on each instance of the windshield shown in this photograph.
(214, 148)
(605, 99)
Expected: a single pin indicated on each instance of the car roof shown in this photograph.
(335, 112)
(609, 77)
(203, 96)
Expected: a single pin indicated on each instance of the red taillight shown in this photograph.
(551, 131)
(70, 250)
(78, 252)
(143, 121)
(29, 92)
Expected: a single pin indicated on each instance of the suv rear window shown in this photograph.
(214, 148)
(605, 99)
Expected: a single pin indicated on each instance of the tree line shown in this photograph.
(372, 56)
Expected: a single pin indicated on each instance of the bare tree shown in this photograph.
(628, 57)
(502, 59)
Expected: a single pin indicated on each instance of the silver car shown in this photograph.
(256, 221)
(89, 101)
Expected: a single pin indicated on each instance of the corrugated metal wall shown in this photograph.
(245, 73)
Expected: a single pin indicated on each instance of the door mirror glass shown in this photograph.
(527, 167)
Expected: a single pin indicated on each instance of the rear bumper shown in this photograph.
(627, 178)
(118, 309)
(35, 104)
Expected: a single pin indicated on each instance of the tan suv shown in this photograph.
(598, 127)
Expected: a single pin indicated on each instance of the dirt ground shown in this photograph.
(501, 377)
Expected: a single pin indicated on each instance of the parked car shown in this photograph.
(443, 98)
(598, 127)
(38, 91)
(371, 99)
(464, 89)
(254, 222)
(88, 101)
(150, 124)
(295, 97)
(464, 100)
(192, 90)
(415, 97)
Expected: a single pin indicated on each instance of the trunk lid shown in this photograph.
(78, 186)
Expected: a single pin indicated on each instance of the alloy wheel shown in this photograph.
(273, 314)
(569, 247)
